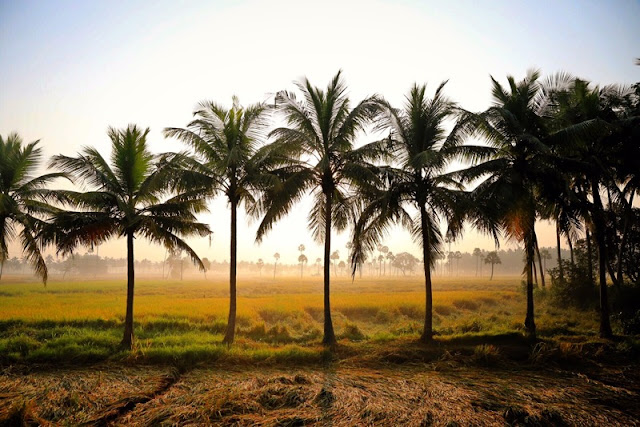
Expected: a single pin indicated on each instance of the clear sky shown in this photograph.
(70, 69)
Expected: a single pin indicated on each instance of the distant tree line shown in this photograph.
(560, 149)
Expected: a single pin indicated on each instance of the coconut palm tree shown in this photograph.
(317, 154)
(335, 256)
(476, 253)
(605, 133)
(276, 257)
(23, 200)
(493, 259)
(515, 166)
(422, 149)
(226, 142)
(302, 259)
(125, 200)
(546, 255)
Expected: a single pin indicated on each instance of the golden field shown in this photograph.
(83, 318)
(62, 364)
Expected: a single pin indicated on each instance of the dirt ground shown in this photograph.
(337, 394)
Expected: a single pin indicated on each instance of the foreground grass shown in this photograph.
(277, 320)
(479, 370)
(446, 392)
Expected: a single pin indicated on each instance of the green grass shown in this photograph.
(277, 320)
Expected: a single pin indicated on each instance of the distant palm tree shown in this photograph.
(125, 200)
(260, 265)
(545, 256)
(421, 147)
(390, 257)
(335, 256)
(382, 250)
(23, 200)
(458, 257)
(493, 259)
(276, 257)
(302, 259)
(227, 142)
(476, 253)
(318, 155)
(318, 261)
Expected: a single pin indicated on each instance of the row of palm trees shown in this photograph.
(549, 150)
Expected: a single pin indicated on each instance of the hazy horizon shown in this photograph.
(72, 69)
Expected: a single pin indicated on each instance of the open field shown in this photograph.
(61, 363)
(83, 320)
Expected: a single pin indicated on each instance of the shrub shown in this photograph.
(21, 344)
(486, 355)
(465, 304)
(352, 332)
(625, 303)
(575, 289)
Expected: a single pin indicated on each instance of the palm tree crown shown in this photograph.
(517, 166)
(227, 143)
(23, 200)
(316, 153)
(421, 148)
(126, 199)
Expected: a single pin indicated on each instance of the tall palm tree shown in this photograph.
(594, 155)
(515, 166)
(422, 150)
(126, 199)
(23, 200)
(227, 142)
(318, 155)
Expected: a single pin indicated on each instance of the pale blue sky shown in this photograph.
(70, 69)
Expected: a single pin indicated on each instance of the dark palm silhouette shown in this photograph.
(602, 144)
(515, 166)
(23, 200)
(422, 149)
(317, 154)
(227, 143)
(126, 200)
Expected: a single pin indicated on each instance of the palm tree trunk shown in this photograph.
(427, 333)
(540, 264)
(529, 322)
(570, 243)
(599, 223)
(329, 336)
(491, 278)
(535, 271)
(589, 255)
(1, 268)
(560, 269)
(612, 273)
(127, 340)
(623, 240)
(230, 333)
